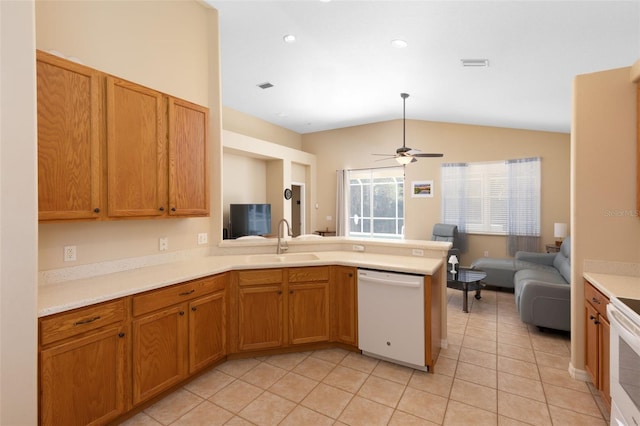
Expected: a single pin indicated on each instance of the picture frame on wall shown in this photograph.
(422, 189)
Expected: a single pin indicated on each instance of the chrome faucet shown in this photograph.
(282, 245)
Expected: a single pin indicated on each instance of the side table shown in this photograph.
(466, 279)
(551, 248)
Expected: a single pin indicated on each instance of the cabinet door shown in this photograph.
(188, 160)
(591, 343)
(605, 384)
(309, 312)
(207, 330)
(84, 381)
(345, 298)
(159, 352)
(136, 150)
(260, 317)
(69, 132)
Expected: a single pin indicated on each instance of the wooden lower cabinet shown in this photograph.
(280, 307)
(597, 329)
(159, 352)
(176, 331)
(207, 330)
(84, 365)
(344, 301)
(261, 317)
(309, 312)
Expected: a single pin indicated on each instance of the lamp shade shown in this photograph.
(560, 230)
(453, 259)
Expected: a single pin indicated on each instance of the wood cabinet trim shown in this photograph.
(73, 323)
(164, 297)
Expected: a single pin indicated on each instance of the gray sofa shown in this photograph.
(541, 282)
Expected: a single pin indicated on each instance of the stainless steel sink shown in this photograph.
(278, 258)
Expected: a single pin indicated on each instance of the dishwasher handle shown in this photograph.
(386, 281)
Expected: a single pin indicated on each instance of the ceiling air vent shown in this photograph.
(475, 62)
(265, 85)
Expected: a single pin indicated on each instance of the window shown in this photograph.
(493, 198)
(376, 203)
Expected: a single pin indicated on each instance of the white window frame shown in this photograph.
(356, 180)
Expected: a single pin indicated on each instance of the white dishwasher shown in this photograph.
(391, 317)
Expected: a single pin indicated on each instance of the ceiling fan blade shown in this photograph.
(426, 154)
(383, 159)
(386, 155)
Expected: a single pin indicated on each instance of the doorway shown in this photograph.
(297, 209)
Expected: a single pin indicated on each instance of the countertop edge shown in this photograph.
(615, 285)
(65, 296)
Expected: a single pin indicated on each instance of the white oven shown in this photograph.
(624, 316)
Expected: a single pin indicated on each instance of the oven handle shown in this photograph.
(625, 328)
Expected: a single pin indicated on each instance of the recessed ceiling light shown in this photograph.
(282, 114)
(475, 62)
(264, 85)
(289, 38)
(398, 43)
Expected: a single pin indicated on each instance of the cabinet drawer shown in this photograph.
(162, 298)
(68, 324)
(598, 300)
(308, 274)
(260, 276)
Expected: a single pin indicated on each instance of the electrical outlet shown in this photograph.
(417, 252)
(163, 244)
(486, 253)
(203, 238)
(358, 247)
(69, 253)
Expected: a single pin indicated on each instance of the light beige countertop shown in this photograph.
(62, 296)
(615, 285)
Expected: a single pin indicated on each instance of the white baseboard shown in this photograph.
(578, 374)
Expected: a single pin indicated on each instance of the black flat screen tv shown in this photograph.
(249, 219)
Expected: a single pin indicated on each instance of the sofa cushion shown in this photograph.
(562, 262)
(549, 275)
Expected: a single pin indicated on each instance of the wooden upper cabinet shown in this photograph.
(112, 149)
(136, 150)
(69, 132)
(188, 172)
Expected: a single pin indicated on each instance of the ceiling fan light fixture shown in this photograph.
(404, 160)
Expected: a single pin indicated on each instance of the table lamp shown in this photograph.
(559, 232)
(453, 260)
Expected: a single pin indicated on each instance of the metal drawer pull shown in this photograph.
(87, 321)
(186, 293)
(594, 300)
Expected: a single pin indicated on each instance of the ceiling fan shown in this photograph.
(405, 155)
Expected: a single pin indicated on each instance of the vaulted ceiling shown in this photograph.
(342, 70)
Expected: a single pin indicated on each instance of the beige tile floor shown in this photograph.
(496, 371)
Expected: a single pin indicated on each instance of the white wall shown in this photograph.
(244, 182)
(282, 166)
(18, 215)
(352, 148)
(604, 216)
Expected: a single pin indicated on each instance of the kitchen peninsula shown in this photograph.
(150, 328)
